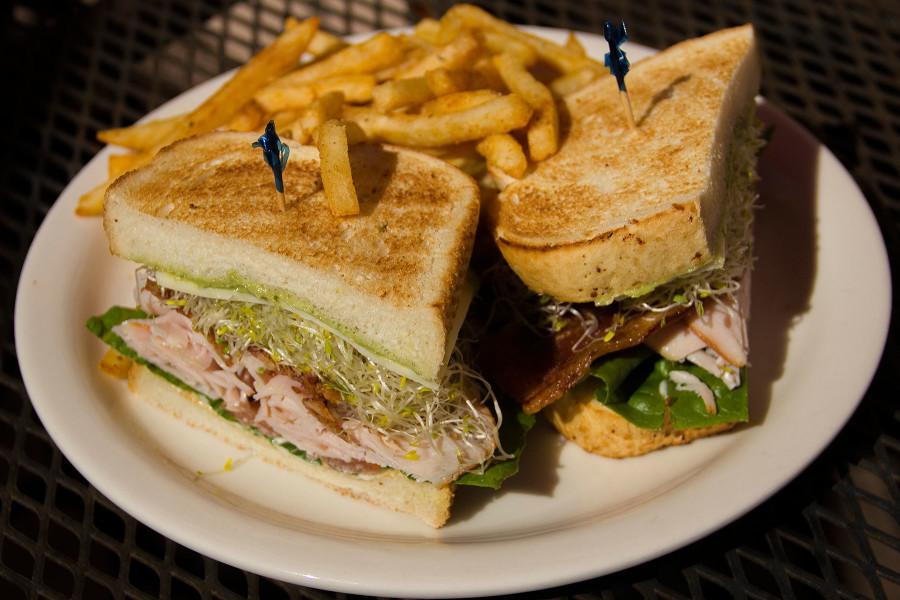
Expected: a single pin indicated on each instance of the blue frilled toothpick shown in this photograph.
(618, 64)
(276, 154)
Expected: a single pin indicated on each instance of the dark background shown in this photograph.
(71, 68)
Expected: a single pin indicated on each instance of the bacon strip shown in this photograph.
(537, 370)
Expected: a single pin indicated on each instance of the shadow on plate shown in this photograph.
(785, 247)
(538, 474)
(372, 167)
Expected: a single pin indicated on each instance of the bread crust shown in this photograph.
(599, 430)
(388, 489)
(592, 270)
(618, 211)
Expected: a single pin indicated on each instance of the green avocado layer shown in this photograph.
(235, 282)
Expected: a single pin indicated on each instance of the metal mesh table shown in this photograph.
(72, 68)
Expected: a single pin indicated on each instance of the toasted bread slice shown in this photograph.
(618, 211)
(388, 280)
(388, 488)
(597, 429)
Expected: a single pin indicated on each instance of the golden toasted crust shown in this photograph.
(401, 194)
(388, 488)
(616, 209)
(599, 430)
(205, 209)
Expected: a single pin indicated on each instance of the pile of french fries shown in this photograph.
(468, 88)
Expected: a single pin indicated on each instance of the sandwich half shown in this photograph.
(636, 246)
(300, 333)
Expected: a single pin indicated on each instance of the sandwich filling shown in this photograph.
(673, 357)
(298, 384)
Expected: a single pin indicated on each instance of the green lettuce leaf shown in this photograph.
(102, 327)
(613, 373)
(512, 436)
(628, 383)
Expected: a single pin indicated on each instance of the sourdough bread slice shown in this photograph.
(387, 280)
(388, 488)
(616, 211)
(581, 418)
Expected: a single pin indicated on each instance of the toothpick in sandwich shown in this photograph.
(618, 63)
(276, 154)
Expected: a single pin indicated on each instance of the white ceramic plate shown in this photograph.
(570, 515)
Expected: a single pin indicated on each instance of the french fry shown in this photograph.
(572, 82)
(337, 178)
(437, 33)
(273, 98)
(129, 162)
(119, 164)
(520, 81)
(90, 204)
(558, 56)
(249, 118)
(500, 43)
(115, 364)
(400, 93)
(357, 88)
(573, 45)
(499, 115)
(329, 105)
(457, 54)
(429, 31)
(456, 102)
(268, 64)
(297, 132)
(543, 132)
(442, 81)
(140, 136)
(326, 107)
(324, 44)
(412, 42)
(378, 52)
(485, 75)
(502, 151)
(284, 117)
(451, 27)
(413, 54)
